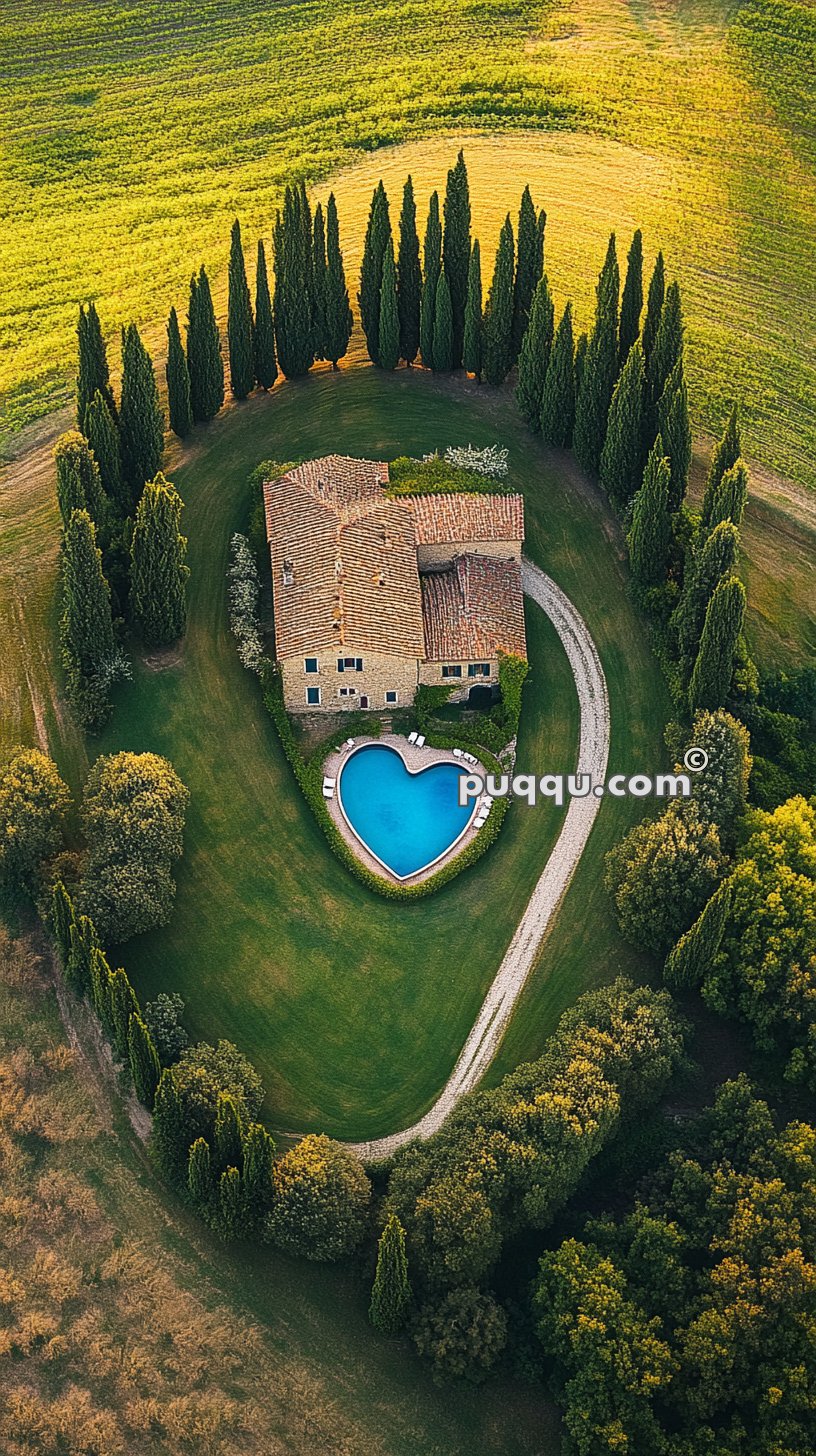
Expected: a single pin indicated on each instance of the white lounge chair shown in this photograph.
(420, 743)
(350, 743)
(479, 821)
(328, 791)
(328, 783)
(412, 737)
(457, 753)
(470, 758)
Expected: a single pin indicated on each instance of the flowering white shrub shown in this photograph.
(243, 590)
(491, 461)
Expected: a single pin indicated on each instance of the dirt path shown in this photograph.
(522, 954)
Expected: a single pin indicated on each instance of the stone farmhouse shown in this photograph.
(374, 594)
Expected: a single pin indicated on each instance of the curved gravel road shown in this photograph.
(522, 953)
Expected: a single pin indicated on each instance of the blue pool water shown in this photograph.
(407, 820)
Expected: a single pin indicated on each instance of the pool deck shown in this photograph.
(414, 759)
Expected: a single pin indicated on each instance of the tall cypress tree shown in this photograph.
(650, 534)
(729, 498)
(231, 1205)
(239, 320)
(141, 424)
(498, 318)
(92, 367)
(472, 341)
(654, 306)
(258, 1153)
(443, 328)
(82, 943)
(631, 299)
(378, 236)
(177, 373)
(319, 282)
(714, 667)
(432, 266)
(158, 579)
(557, 416)
(535, 353)
(456, 252)
(581, 348)
(529, 266)
(102, 434)
(716, 558)
(123, 1006)
(200, 1182)
(227, 1142)
(304, 213)
(674, 426)
(338, 311)
(204, 359)
(100, 990)
(668, 347)
(389, 342)
(263, 339)
(694, 952)
(621, 469)
(62, 918)
(391, 1292)
(88, 640)
(144, 1063)
(79, 487)
(169, 1139)
(293, 301)
(409, 276)
(600, 368)
(727, 452)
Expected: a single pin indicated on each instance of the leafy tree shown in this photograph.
(319, 282)
(263, 337)
(177, 374)
(472, 340)
(535, 355)
(432, 261)
(123, 1006)
(200, 1181)
(102, 433)
(321, 1200)
(621, 468)
(204, 360)
(649, 538)
(726, 454)
(338, 312)
(163, 1021)
(529, 267)
(62, 918)
(391, 1291)
(141, 425)
(228, 1135)
(715, 559)
(631, 299)
(654, 306)
(158, 571)
(144, 1063)
(83, 945)
(674, 428)
(89, 651)
(409, 277)
(378, 236)
(557, 417)
(443, 342)
(463, 1334)
(690, 959)
(662, 873)
(728, 499)
(498, 315)
(79, 487)
(600, 369)
(456, 254)
(92, 373)
(222, 1068)
(713, 669)
(389, 342)
(667, 351)
(33, 804)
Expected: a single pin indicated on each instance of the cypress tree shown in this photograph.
(158, 574)
(87, 624)
(293, 302)
(456, 253)
(141, 424)
(675, 430)
(728, 499)
(200, 1181)
(82, 943)
(472, 341)
(443, 344)
(79, 487)
(432, 266)
(102, 434)
(168, 1136)
(263, 338)
(338, 311)
(558, 395)
(529, 266)
(304, 213)
(535, 353)
(694, 952)
(580, 360)
(391, 1291)
(258, 1152)
(230, 1204)
(600, 369)
(378, 236)
(654, 305)
(498, 318)
(239, 320)
(101, 990)
(668, 346)
(714, 668)
(621, 469)
(144, 1063)
(62, 918)
(409, 277)
(123, 1006)
(319, 283)
(631, 299)
(726, 453)
(177, 375)
(650, 534)
(715, 559)
(92, 370)
(203, 354)
(389, 341)
(227, 1147)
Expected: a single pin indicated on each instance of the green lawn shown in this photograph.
(354, 1008)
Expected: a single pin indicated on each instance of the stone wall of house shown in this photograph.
(437, 554)
(381, 673)
(430, 673)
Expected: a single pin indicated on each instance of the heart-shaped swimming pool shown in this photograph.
(406, 819)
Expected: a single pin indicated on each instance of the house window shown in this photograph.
(391, 698)
(349, 664)
(288, 573)
(313, 697)
(451, 669)
(348, 692)
(310, 664)
(479, 669)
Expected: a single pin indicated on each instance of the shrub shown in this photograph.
(463, 1334)
(321, 1199)
(243, 592)
(435, 476)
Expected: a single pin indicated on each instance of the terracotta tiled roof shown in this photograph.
(473, 609)
(452, 518)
